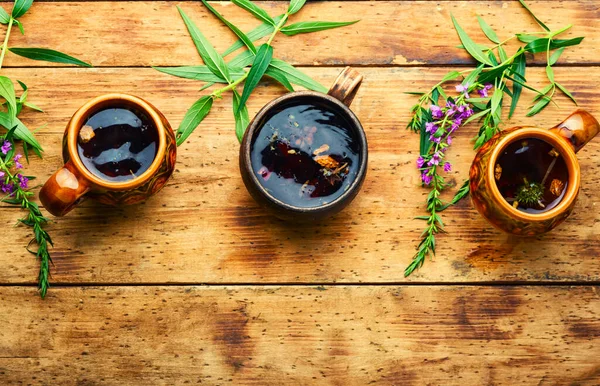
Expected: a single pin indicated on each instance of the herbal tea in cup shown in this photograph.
(525, 180)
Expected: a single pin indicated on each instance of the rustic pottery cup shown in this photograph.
(73, 182)
(567, 138)
(338, 99)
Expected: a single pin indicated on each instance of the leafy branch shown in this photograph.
(235, 72)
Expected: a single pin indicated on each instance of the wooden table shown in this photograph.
(199, 286)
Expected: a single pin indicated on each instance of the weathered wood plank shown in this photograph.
(301, 336)
(390, 33)
(204, 227)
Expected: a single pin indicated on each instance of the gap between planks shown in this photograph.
(498, 284)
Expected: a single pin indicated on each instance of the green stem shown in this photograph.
(5, 44)
(277, 28)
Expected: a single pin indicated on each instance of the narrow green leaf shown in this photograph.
(21, 132)
(255, 10)
(4, 18)
(295, 6)
(450, 76)
(259, 32)
(33, 107)
(543, 92)
(555, 55)
(470, 45)
(493, 58)
(539, 106)
(241, 116)
(279, 76)
(206, 86)
(502, 54)
(476, 116)
(519, 65)
(541, 45)
(20, 25)
(313, 26)
(202, 73)
(566, 92)
(487, 30)
(261, 62)
(550, 73)
(21, 7)
(48, 55)
(531, 13)
(7, 91)
(245, 58)
(495, 104)
(490, 76)
(210, 56)
(525, 38)
(482, 47)
(470, 78)
(242, 36)
(296, 76)
(193, 117)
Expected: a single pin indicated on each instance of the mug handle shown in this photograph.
(346, 85)
(64, 190)
(578, 129)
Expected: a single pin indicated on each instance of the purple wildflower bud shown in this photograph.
(2, 174)
(447, 167)
(449, 140)
(7, 188)
(420, 162)
(430, 127)
(6, 147)
(463, 89)
(426, 178)
(483, 93)
(435, 139)
(18, 165)
(435, 159)
(23, 181)
(436, 111)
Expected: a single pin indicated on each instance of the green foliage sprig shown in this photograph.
(13, 184)
(502, 75)
(235, 72)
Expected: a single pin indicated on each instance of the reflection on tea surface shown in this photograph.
(531, 175)
(118, 144)
(305, 155)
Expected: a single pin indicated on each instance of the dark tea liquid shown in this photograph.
(531, 175)
(118, 144)
(305, 155)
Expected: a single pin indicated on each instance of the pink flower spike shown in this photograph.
(5, 147)
(18, 165)
(447, 167)
(449, 140)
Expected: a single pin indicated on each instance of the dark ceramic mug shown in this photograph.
(337, 100)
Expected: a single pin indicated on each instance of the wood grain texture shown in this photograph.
(301, 336)
(204, 227)
(147, 33)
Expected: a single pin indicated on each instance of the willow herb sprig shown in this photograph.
(497, 74)
(13, 184)
(235, 72)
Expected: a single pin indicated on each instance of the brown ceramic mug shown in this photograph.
(73, 182)
(337, 100)
(567, 138)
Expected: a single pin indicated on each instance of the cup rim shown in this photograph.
(565, 150)
(361, 137)
(77, 122)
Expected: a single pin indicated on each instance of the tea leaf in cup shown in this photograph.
(295, 6)
(470, 45)
(213, 60)
(21, 7)
(48, 55)
(259, 66)
(241, 116)
(487, 30)
(193, 117)
(313, 26)
(255, 10)
(259, 32)
(242, 36)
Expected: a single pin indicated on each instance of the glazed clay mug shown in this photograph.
(336, 102)
(566, 138)
(74, 182)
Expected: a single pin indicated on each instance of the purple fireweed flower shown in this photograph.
(435, 159)
(23, 181)
(426, 178)
(430, 127)
(2, 174)
(436, 111)
(463, 89)
(449, 140)
(7, 188)
(6, 147)
(435, 139)
(447, 167)
(420, 162)
(484, 91)
(18, 165)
